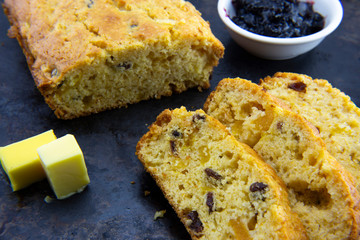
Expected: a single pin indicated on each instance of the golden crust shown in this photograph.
(60, 39)
(242, 157)
(294, 148)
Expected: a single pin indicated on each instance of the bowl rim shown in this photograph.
(282, 41)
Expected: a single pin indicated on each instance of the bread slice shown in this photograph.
(219, 187)
(90, 55)
(321, 191)
(331, 111)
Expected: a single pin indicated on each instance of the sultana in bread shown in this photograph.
(219, 187)
(321, 191)
(331, 111)
(90, 55)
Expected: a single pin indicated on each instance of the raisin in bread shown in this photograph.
(321, 191)
(90, 55)
(219, 187)
(331, 111)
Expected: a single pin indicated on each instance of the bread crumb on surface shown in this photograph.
(159, 214)
(49, 199)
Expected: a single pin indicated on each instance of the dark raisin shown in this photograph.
(176, 133)
(280, 125)
(297, 138)
(213, 174)
(210, 76)
(198, 117)
(298, 86)
(196, 224)
(60, 84)
(124, 65)
(90, 3)
(210, 201)
(258, 186)
(173, 147)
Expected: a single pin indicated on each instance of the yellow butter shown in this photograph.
(64, 165)
(21, 161)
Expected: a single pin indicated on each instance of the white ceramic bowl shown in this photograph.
(282, 48)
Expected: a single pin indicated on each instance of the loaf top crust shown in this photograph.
(57, 36)
(192, 155)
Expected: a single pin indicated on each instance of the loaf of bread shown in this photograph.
(219, 187)
(90, 55)
(321, 191)
(331, 111)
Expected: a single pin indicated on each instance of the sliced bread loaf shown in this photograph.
(88, 56)
(321, 191)
(331, 111)
(219, 187)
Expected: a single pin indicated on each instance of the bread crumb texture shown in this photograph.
(321, 191)
(332, 112)
(90, 55)
(219, 187)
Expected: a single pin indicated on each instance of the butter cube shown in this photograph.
(21, 161)
(64, 165)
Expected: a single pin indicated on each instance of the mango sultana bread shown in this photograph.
(321, 191)
(90, 55)
(219, 187)
(331, 111)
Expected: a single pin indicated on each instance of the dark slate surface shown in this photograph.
(112, 207)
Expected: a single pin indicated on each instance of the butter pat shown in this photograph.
(64, 165)
(21, 161)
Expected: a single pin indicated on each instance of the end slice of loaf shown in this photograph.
(331, 111)
(90, 55)
(219, 187)
(321, 191)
